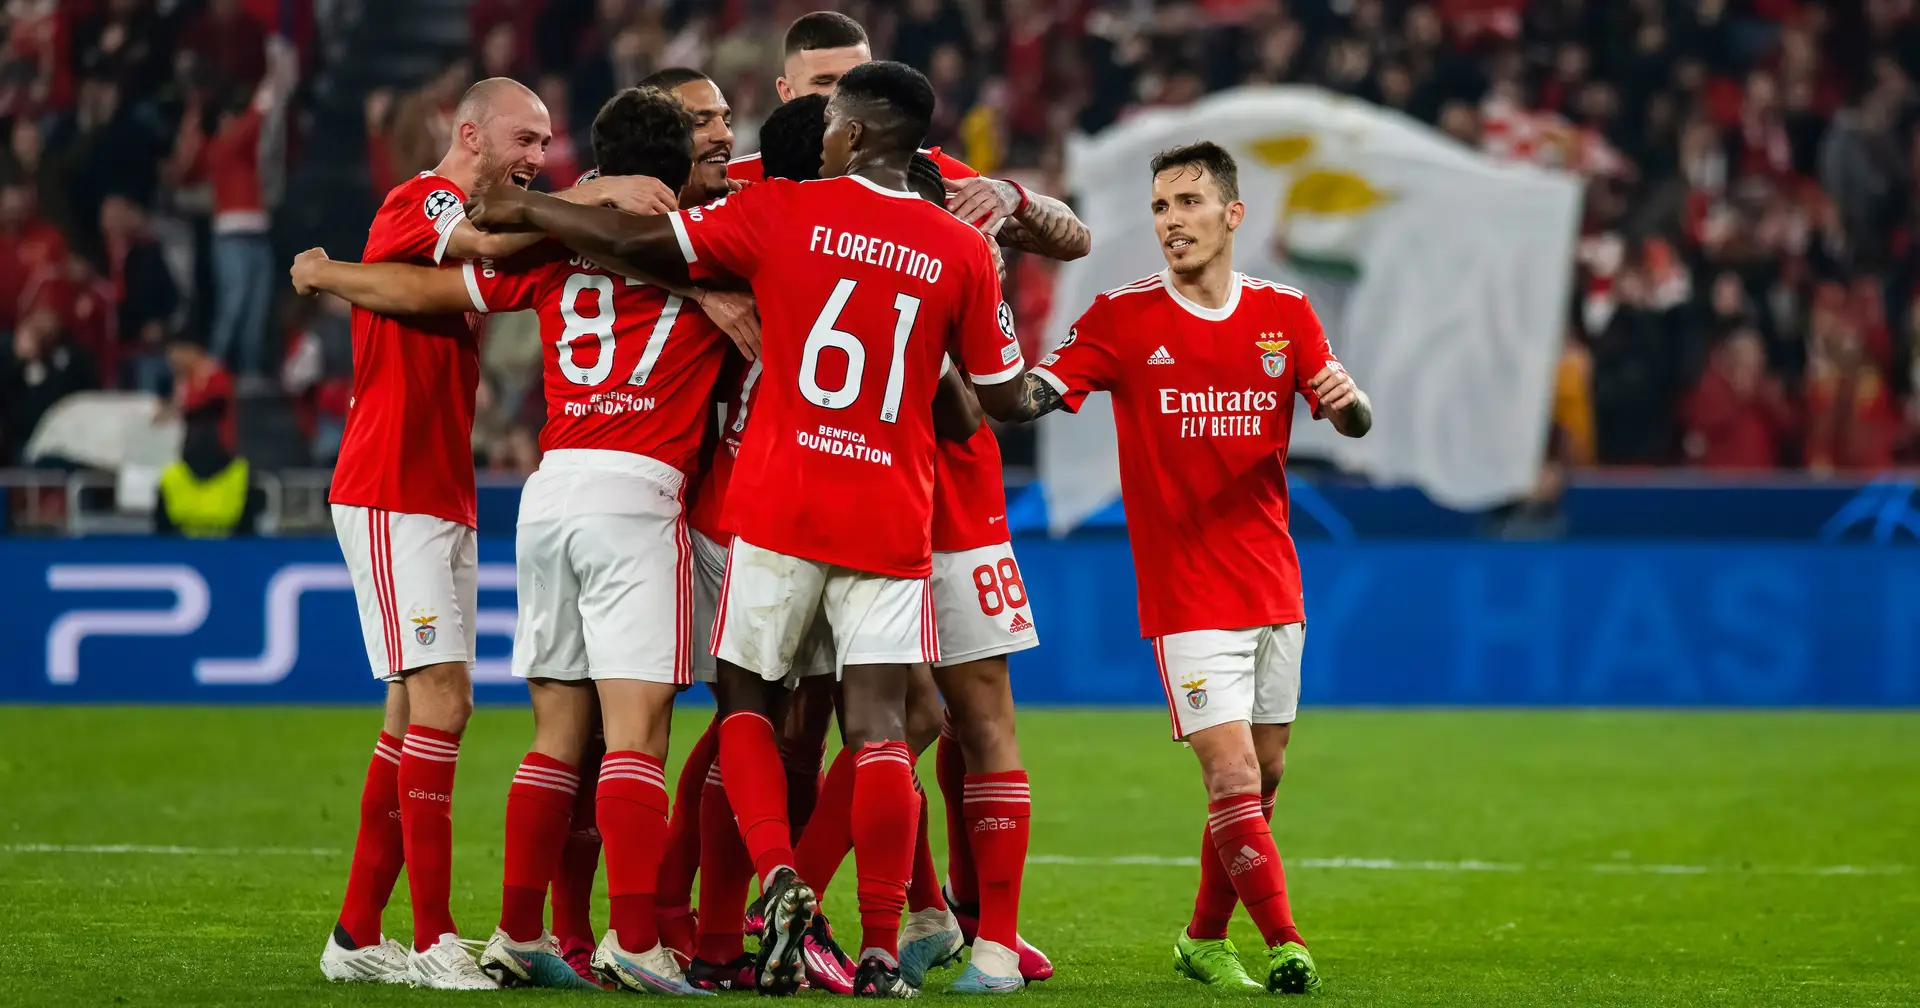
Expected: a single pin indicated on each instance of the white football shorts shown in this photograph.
(416, 580)
(710, 569)
(605, 570)
(980, 605)
(1216, 676)
(769, 601)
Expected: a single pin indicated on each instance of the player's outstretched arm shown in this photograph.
(1027, 397)
(1342, 402)
(636, 246)
(635, 194)
(956, 413)
(387, 288)
(1033, 223)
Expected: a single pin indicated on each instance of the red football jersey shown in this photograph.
(837, 465)
(626, 366)
(746, 168)
(408, 441)
(707, 511)
(1203, 406)
(969, 494)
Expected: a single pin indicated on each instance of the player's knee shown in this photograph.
(923, 724)
(1271, 770)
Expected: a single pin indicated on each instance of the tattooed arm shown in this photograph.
(1025, 398)
(1032, 222)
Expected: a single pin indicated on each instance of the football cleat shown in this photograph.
(384, 962)
(1034, 964)
(735, 975)
(789, 906)
(1290, 970)
(537, 963)
(995, 969)
(1212, 961)
(447, 965)
(929, 939)
(756, 919)
(649, 972)
(827, 965)
(879, 977)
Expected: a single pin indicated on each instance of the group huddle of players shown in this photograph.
(764, 468)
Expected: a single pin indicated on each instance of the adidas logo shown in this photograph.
(1020, 624)
(1246, 860)
(992, 823)
(1160, 356)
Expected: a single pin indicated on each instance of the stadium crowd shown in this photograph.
(1748, 277)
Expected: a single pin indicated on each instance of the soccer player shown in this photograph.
(604, 558)
(831, 496)
(1203, 363)
(403, 506)
(969, 520)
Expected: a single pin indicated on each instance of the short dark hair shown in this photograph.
(668, 78)
(894, 99)
(824, 30)
(644, 131)
(924, 178)
(1208, 155)
(790, 139)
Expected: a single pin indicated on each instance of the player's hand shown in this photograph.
(736, 315)
(982, 202)
(734, 185)
(1335, 388)
(636, 194)
(499, 208)
(305, 267)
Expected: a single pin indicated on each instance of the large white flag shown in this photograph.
(1441, 277)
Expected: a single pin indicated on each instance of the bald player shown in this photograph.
(403, 509)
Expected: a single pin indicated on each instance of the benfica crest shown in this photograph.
(1274, 359)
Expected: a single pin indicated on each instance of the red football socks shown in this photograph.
(1243, 846)
(999, 808)
(539, 809)
(379, 849)
(572, 889)
(682, 857)
(885, 813)
(427, 759)
(829, 839)
(632, 810)
(950, 769)
(725, 873)
(923, 888)
(757, 789)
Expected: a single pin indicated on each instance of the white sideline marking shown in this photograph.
(41, 848)
(1135, 860)
(1392, 864)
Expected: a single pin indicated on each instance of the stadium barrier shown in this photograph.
(148, 620)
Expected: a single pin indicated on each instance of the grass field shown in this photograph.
(1434, 857)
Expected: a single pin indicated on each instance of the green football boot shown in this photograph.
(1214, 962)
(1290, 970)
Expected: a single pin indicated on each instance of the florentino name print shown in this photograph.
(1214, 413)
(871, 250)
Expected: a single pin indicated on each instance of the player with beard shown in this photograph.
(403, 507)
(600, 530)
(980, 605)
(1203, 363)
(808, 453)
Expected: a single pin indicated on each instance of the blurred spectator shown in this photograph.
(95, 148)
(146, 291)
(208, 493)
(318, 373)
(422, 123)
(28, 245)
(42, 369)
(242, 160)
(1851, 423)
(229, 42)
(202, 388)
(1738, 416)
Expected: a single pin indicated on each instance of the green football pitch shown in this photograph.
(196, 856)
